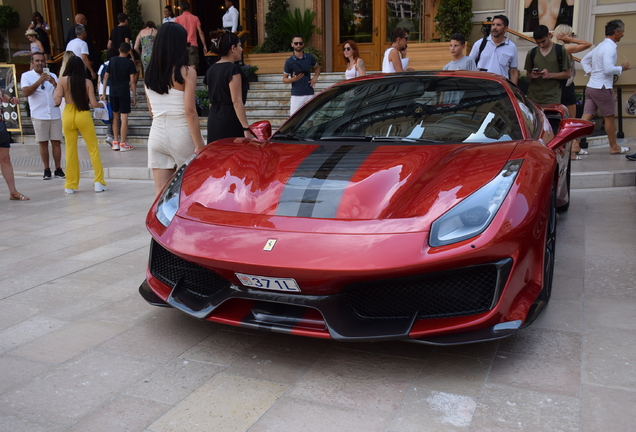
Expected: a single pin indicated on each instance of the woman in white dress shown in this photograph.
(355, 65)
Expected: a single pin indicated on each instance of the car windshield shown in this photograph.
(408, 109)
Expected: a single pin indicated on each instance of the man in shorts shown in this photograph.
(599, 93)
(38, 86)
(193, 26)
(120, 76)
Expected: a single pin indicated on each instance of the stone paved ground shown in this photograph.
(81, 351)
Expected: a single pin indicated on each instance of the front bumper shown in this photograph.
(370, 311)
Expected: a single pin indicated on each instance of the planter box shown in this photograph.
(272, 63)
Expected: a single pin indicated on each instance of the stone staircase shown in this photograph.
(268, 99)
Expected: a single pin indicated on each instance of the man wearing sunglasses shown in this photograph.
(297, 72)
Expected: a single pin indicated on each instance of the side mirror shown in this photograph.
(262, 129)
(571, 129)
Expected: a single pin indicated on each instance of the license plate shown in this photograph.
(275, 284)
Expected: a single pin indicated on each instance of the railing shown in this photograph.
(485, 29)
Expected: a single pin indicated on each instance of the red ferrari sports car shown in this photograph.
(414, 206)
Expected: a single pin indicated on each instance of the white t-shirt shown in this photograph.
(78, 46)
(41, 101)
(231, 18)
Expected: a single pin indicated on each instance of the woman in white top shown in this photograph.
(170, 90)
(392, 61)
(168, 15)
(355, 65)
(563, 35)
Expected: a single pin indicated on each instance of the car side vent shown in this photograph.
(459, 292)
(169, 269)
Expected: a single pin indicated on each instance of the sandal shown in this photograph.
(583, 152)
(575, 157)
(18, 197)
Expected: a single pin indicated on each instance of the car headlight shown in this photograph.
(473, 215)
(168, 203)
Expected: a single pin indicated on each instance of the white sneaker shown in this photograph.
(115, 145)
(69, 191)
(110, 140)
(100, 187)
(124, 146)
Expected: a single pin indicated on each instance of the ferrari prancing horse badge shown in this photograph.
(269, 245)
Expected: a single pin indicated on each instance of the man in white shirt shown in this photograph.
(80, 49)
(600, 65)
(231, 17)
(38, 87)
(496, 53)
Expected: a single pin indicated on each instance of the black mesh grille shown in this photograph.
(169, 269)
(459, 292)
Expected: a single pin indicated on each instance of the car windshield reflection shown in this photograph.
(409, 109)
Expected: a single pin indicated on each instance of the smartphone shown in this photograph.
(535, 70)
(46, 70)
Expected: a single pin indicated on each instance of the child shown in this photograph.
(120, 74)
(100, 82)
(460, 61)
(35, 44)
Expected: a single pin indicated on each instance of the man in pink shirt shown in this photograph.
(193, 26)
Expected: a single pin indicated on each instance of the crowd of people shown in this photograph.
(169, 57)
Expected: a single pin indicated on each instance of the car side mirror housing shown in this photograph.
(571, 129)
(262, 129)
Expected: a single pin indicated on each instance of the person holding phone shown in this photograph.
(38, 85)
(549, 66)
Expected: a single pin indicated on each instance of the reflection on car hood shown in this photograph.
(339, 180)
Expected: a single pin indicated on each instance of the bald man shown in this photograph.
(94, 56)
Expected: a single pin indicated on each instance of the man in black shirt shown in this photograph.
(121, 33)
(120, 75)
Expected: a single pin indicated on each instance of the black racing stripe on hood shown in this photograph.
(316, 187)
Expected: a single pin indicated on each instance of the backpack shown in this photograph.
(484, 41)
(559, 53)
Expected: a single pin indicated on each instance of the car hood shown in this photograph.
(337, 180)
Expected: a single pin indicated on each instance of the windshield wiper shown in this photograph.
(291, 136)
(348, 138)
(402, 139)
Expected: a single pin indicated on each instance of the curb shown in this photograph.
(587, 180)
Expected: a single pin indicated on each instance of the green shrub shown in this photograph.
(453, 16)
(276, 40)
(301, 24)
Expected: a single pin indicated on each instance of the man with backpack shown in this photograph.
(547, 68)
(496, 53)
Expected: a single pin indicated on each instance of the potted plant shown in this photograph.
(250, 72)
(203, 103)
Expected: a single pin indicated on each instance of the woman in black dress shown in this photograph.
(227, 90)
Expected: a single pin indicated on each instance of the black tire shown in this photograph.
(566, 206)
(550, 248)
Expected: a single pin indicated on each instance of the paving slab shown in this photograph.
(81, 351)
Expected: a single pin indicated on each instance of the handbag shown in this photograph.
(101, 113)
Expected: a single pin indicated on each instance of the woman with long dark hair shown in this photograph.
(227, 90)
(170, 91)
(79, 94)
(355, 65)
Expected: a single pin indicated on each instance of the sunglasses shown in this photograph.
(298, 43)
(346, 48)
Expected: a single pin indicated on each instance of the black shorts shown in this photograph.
(5, 137)
(120, 104)
(568, 96)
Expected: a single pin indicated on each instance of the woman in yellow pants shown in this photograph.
(76, 118)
